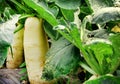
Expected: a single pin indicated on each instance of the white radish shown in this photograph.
(14, 60)
(35, 48)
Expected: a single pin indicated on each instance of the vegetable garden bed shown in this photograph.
(60, 41)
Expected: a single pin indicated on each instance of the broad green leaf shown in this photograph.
(68, 4)
(105, 79)
(62, 58)
(42, 11)
(102, 54)
(96, 5)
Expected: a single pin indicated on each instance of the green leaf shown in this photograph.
(102, 54)
(3, 54)
(43, 11)
(85, 10)
(62, 58)
(106, 79)
(92, 62)
(96, 5)
(68, 14)
(54, 35)
(68, 4)
(116, 48)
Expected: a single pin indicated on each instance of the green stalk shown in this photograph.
(85, 66)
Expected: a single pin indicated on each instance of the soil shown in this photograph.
(11, 76)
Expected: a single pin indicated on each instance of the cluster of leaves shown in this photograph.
(84, 25)
(8, 19)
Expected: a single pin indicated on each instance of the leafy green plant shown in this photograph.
(85, 25)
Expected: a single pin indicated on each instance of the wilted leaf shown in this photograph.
(106, 15)
(97, 5)
(6, 36)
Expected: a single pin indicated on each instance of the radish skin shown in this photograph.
(14, 61)
(35, 48)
